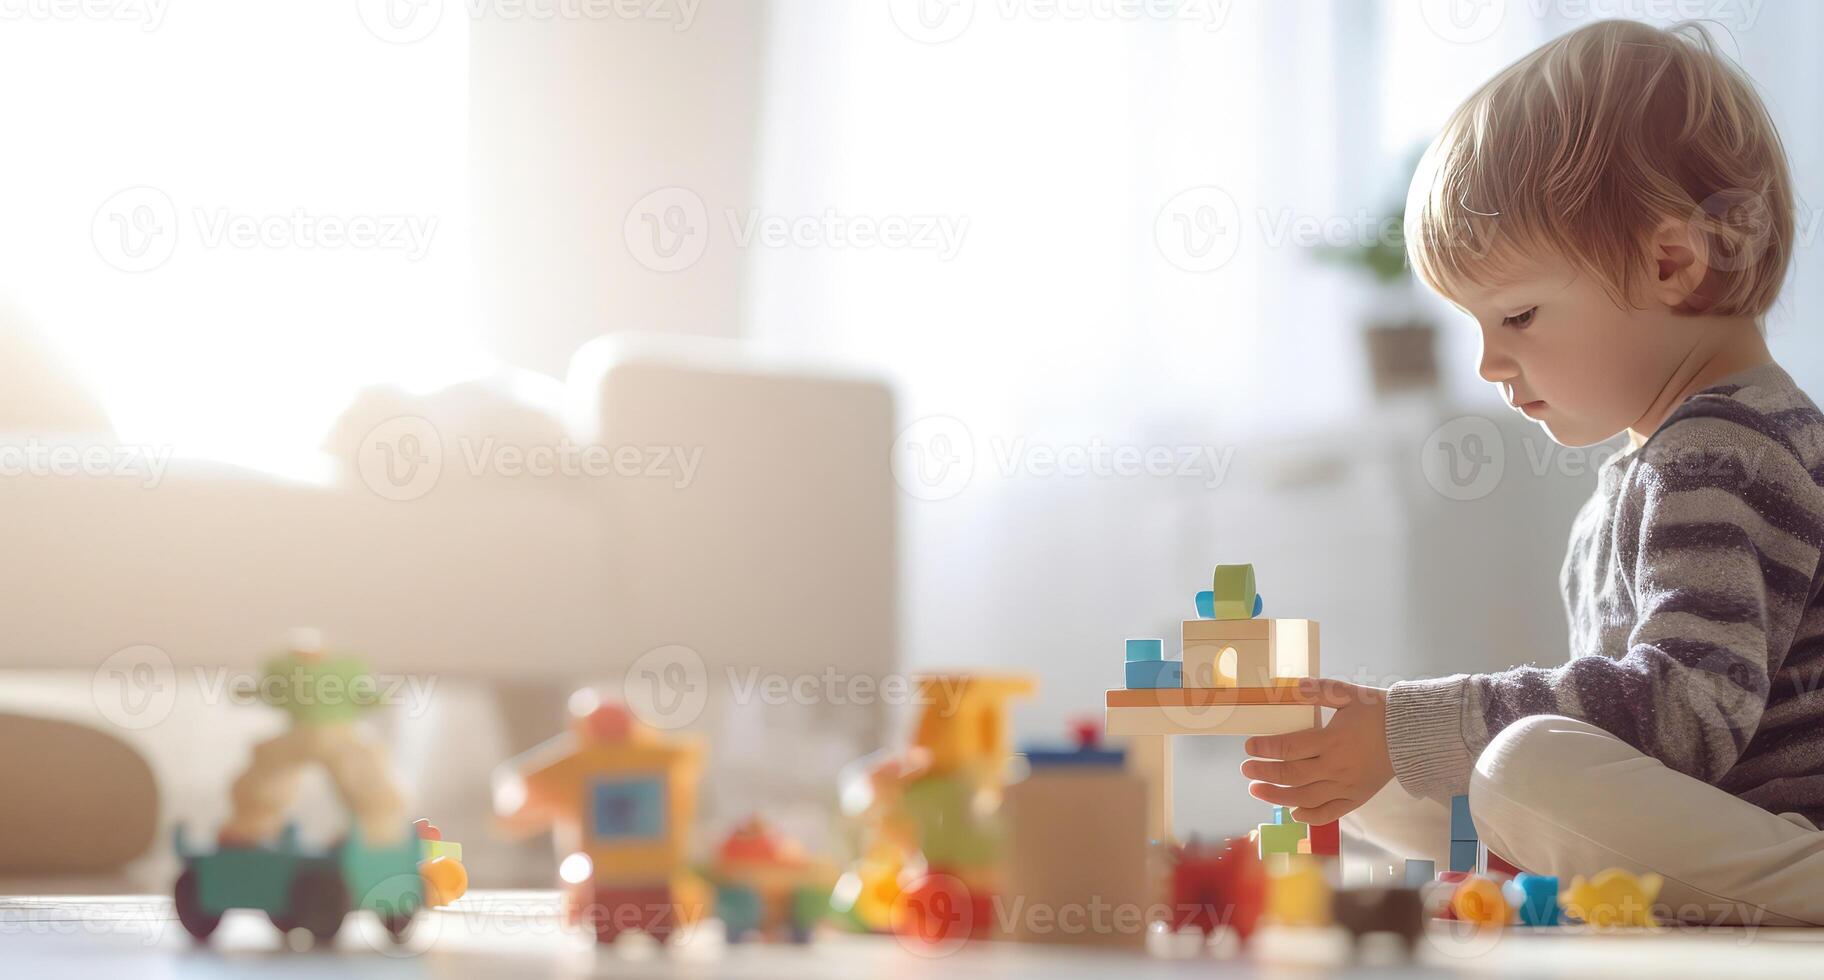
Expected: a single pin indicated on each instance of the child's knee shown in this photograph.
(1529, 761)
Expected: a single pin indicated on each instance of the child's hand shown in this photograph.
(1329, 771)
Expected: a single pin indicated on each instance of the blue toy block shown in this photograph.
(1258, 605)
(1419, 872)
(1283, 814)
(1075, 758)
(1461, 826)
(1155, 673)
(1536, 898)
(1206, 604)
(1144, 650)
(1463, 855)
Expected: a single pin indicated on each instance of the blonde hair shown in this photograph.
(1585, 147)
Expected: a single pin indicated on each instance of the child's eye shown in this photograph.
(1520, 319)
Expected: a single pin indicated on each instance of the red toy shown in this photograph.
(1217, 885)
(1326, 839)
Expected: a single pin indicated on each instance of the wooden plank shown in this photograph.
(1221, 719)
(1197, 696)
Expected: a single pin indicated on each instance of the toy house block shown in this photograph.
(1141, 650)
(1463, 855)
(1327, 839)
(1206, 605)
(1233, 586)
(1419, 872)
(1461, 826)
(1197, 697)
(1271, 647)
(1236, 663)
(1227, 719)
(1155, 674)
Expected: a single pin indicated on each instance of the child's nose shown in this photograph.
(1496, 366)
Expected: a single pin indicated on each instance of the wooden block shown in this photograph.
(1212, 665)
(1165, 674)
(1234, 590)
(1226, 629)
(1150, 758)
(1180, 697)
(1327, 839)
(1293, 646)
(1462, 852)
(1233, 719)
(1148, 649)
(1076, 841)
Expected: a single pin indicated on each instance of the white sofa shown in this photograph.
(774, 552)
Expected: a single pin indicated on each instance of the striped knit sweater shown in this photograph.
(1697, 625)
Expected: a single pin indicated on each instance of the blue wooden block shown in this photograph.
(1258, 605)
(1419, 872)
(1463, 855)
(1536, 897)
(1138, 650)
(1206, 604)
(1155, 673)
(1283, 814)
(1461, 826)
(1086, 758)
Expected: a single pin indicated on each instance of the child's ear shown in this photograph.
(1678, 267)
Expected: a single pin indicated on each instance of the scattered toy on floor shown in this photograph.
(618, 799)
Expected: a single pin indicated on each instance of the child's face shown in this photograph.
(1565, 355)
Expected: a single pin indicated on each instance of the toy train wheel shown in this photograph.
(190, 913)
(319, 901)
(398, 925)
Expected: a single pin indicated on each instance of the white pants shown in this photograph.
(1558, 796)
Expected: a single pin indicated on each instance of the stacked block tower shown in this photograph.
(1237, 674)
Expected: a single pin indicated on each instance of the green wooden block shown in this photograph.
(1280, 838)
(1234, 590)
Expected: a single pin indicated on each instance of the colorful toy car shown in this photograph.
(767, 886)
(297, 888)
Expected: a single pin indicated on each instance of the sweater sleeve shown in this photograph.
(1716, 541)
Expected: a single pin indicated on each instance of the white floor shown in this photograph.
(517, 934)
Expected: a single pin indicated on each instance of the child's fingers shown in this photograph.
(1296, 773)
(1324, 813)
(1312, 795)
(1297, 745)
